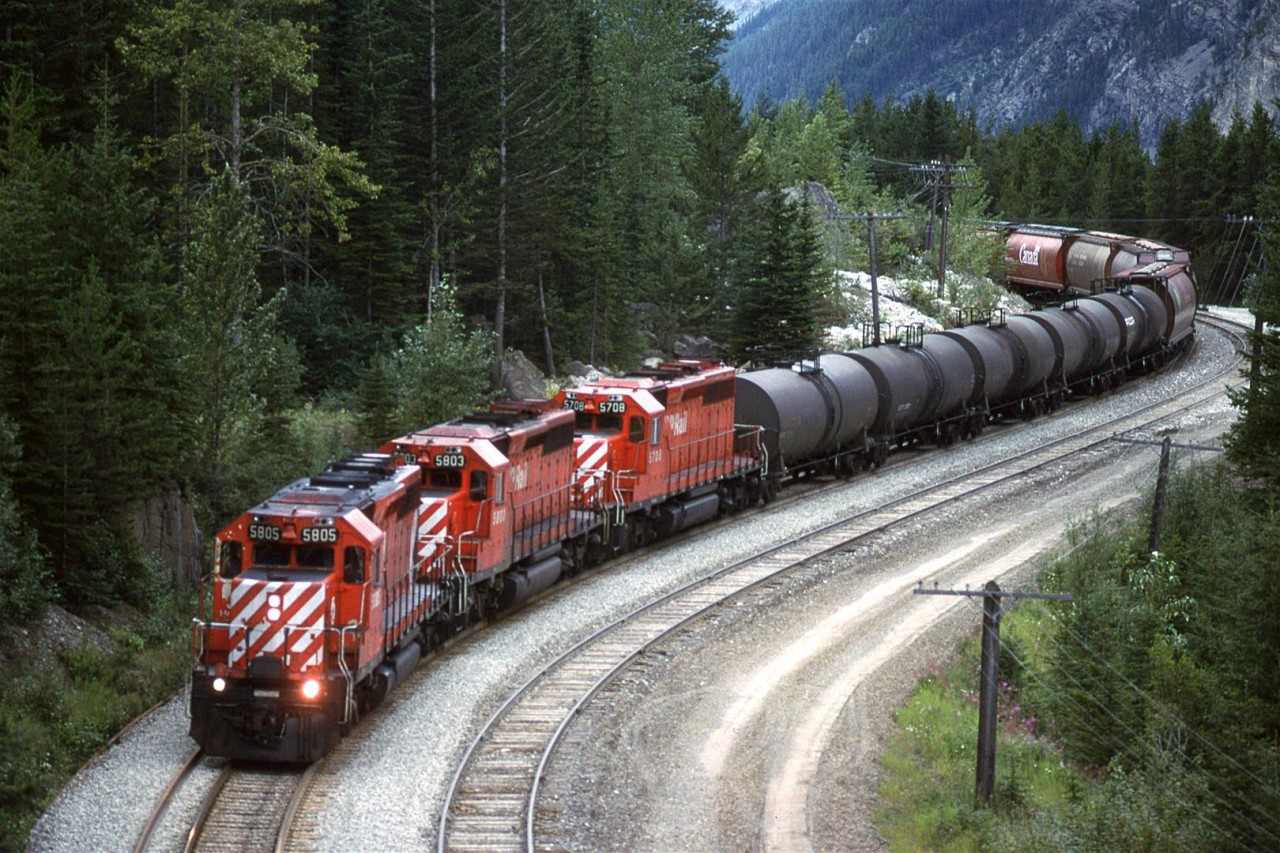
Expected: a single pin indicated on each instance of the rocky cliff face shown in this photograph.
(1143, 62)
(166, 529)
(1102, 60)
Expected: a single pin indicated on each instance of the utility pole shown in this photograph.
(942, 240)
(1162, 479)
(1157, 506)
(871, 219)
(990, 677)
(937, 176)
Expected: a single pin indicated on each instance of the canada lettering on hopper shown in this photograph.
(1029, 255)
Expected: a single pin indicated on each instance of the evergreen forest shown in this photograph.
(239, 238)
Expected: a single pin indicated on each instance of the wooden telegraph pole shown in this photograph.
(871, 219)
(937, 175)
(990, 674)
(1162, 479)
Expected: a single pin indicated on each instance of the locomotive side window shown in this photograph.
(315, 557)
(353, 565)
(232, 559)
(479, 485)
(635, 430)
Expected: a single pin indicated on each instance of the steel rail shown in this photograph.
(249, 807)
(162, 806)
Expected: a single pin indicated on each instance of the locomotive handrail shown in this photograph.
(349, 702)
(619, 507)
(699, 461)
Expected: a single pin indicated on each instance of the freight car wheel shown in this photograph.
(880, 455)
(846, 466)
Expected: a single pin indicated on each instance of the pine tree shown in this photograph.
(441, 371)
(238, 365)
(723, 183)
(657, 60)
(92, 380)
(377, 401)
(779, 284)
(365, 74)
(26, 586)
(241, 69)
(1254, 440)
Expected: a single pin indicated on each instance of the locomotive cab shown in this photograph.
(617, 440)
(285, 650)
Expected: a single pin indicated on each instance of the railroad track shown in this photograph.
(244, 807)
(492, 801)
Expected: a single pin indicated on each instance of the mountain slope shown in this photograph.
(1017, 61)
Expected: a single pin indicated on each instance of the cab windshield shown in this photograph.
(273, 555)
(588, 422)
(444, 479)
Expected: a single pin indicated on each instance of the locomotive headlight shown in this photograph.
(273, 600)
(273, 614)
(219, 684)
(310, 688)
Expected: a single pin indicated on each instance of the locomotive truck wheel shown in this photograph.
(344, 729)
(771, 489)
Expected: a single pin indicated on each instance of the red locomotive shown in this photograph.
(310, 605)
(327, 594)
(495, 506)
(657, 451)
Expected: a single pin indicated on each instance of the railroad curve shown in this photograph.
(492, 803)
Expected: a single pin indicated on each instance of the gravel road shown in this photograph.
(758, 728)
